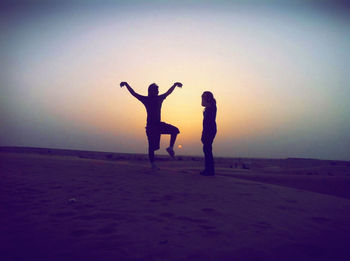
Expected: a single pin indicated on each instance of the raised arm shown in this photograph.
(132, 92)
(172, 88)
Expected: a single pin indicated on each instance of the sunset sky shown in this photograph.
(280, 73)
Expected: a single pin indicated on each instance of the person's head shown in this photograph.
(208, 99)
(153, 90)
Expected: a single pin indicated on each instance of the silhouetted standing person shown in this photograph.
(209, 132)
(155, 127)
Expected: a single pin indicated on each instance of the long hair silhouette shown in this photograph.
(210, 97)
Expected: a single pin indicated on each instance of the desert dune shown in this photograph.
(80, 205)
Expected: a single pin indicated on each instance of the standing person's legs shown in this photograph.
(209, 159)
(207, 140)
(150, 154)
(153, 136)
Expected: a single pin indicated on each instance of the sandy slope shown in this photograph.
(69, 208)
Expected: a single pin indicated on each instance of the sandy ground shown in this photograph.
(69, 206)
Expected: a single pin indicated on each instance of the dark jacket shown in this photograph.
(209, 124)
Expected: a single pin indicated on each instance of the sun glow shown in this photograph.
(269, 79)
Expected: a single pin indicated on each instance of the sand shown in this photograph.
(71, 205)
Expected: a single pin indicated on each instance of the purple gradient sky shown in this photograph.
(279, 72)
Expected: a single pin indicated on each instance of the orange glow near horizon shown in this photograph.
(270, 80)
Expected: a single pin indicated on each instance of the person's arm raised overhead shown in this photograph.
(177, 84)
(132, 92)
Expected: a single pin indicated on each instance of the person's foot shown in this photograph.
(171, 152)
(154, 166)
(206, 173)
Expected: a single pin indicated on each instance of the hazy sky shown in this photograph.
(280, 74)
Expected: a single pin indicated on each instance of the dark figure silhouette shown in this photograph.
(209, 132)
(155, 127)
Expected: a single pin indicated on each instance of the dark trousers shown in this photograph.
(153, 134)
(208, 156)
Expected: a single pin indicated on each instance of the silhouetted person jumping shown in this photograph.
(155, 127)
(209, 132)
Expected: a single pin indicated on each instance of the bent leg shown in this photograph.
(172, 139)
(169, 129)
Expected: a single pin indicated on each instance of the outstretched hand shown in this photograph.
(122, 84)
(178, 84)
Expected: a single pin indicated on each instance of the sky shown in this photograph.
(279, 71)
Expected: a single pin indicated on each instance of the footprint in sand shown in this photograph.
(211, 212)
(208, 210)
(213, 233)
(98, 216)
(108, 229)
(80, 233)
(166, 214)
(262, 225)
(56, 187)
(168, 197)
(152, 218)
(207, 227)
(291, 201)
(320, 220)
(155, 200)
(281, 207)
(193, 220)
(86, 206)
(63, 214)
(243, 194)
